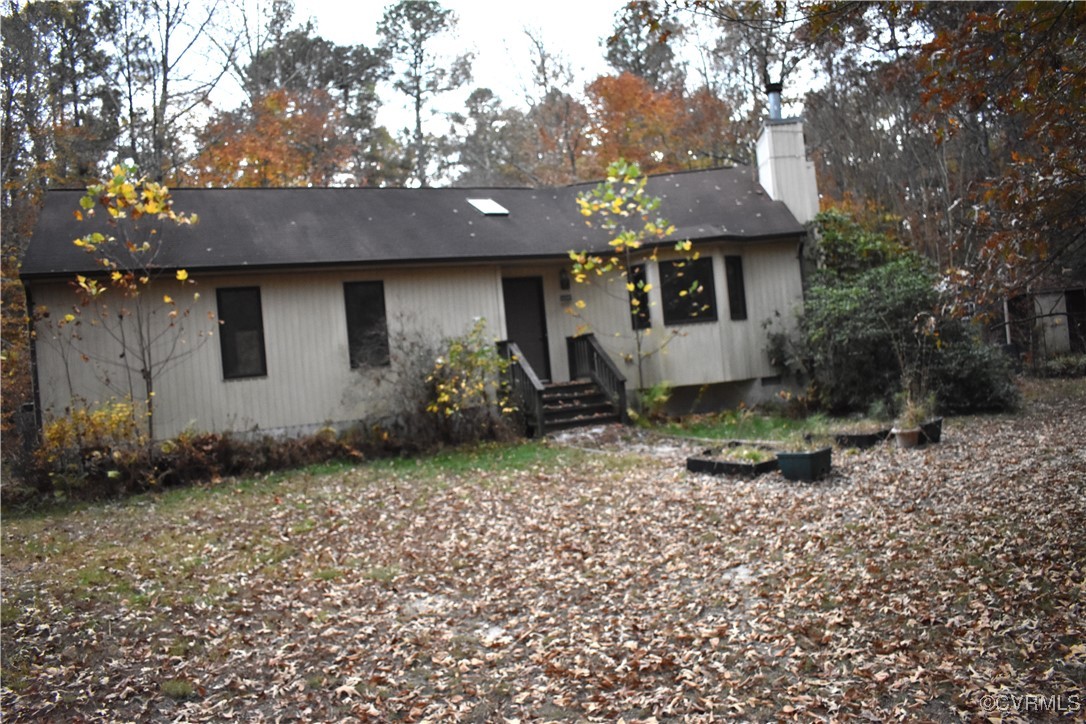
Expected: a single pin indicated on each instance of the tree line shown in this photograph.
(957, 129)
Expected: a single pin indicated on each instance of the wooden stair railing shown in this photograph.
(587, 359)
(526, 388)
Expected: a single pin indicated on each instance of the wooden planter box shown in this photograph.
(710, 463)
(861, 440)
(810, 465)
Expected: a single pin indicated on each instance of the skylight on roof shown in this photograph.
(490, 207)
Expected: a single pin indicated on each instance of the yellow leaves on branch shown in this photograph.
(127, 198)
(89, 286)
(629, 213)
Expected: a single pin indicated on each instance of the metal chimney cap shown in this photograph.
(774, 91)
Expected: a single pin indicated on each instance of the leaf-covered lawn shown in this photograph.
(552, 582)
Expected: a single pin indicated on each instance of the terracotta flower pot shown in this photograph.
(908, 437)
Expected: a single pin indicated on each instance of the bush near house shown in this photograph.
(100, 451)
(872, 324)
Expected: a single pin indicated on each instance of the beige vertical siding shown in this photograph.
(701, 352)
(728, 351)
(309, 380)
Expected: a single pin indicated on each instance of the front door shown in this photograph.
(526, 321)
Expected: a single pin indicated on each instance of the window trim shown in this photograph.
(224, 334)
(708, 286)
(354, 362)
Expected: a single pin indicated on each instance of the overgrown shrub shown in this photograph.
(871, 330)
(968, 375)
(651, 402)
(107, 465)
(192, 458)
(845, 249)
(94, 453)
(851, 330)
(92, 447)
(468, 395)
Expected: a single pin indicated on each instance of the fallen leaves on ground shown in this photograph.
(602, 582)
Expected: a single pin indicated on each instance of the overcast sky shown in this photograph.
(493, 30)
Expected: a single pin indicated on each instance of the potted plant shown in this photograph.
(907, 430)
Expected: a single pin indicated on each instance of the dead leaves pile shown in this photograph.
(917, 584)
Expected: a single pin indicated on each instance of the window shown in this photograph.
(367, 330)
(639, 298)
(241, 333)
(688, 291)
(737, 292)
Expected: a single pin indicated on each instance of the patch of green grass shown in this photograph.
(493, 457)
(328, 574)
(316, 682)
(181, 647)
(9, 613)
(177, 688)
(276, 554)
(304, 526)
(746, 424)
(382, 574)
(16, 677)
(93, 576)
(746, 454)
(333, 467)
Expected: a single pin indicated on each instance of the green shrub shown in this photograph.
(845, 249)
(852, 332)
(1064, 366)
(871, 331)
(969, 375)
(652, 402)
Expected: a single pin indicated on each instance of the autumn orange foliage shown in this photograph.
(633, 121)
(285, 138)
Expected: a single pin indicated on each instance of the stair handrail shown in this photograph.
(587, 358)
(525, 384)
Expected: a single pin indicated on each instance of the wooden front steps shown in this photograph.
(576, 404)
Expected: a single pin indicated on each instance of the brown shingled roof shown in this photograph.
(292, 227)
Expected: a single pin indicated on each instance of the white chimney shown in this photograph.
(783, 168)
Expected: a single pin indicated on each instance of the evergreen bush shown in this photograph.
(872, 332)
